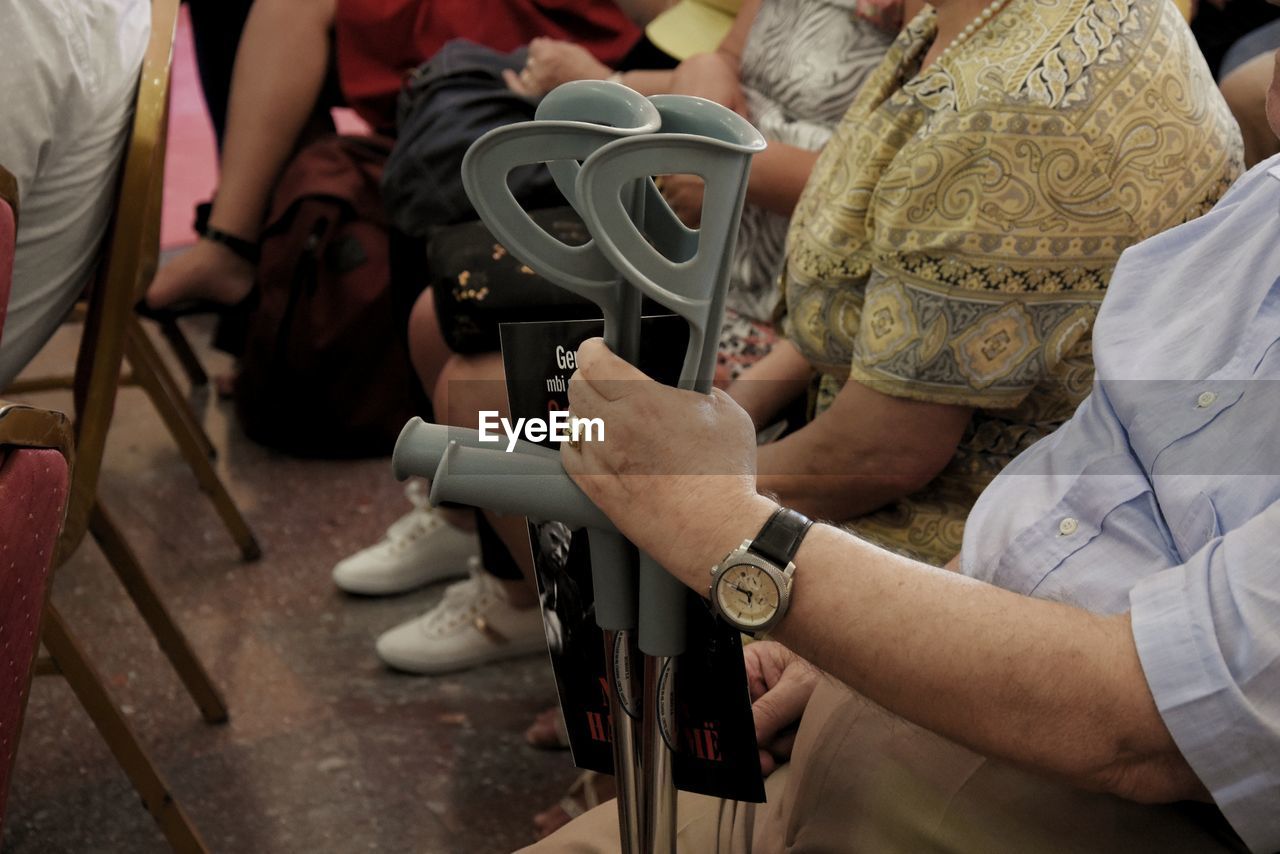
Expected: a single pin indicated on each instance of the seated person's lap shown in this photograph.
(863, 779)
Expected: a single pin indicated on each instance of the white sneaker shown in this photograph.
(419, 548)
(472, 625)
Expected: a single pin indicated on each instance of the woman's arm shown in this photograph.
(735, 41)
(866, 450)
(711, 75)
(648, 82)
(778, 176)
(699, 75)
(771, 383)
(717, 75)
(552, 62)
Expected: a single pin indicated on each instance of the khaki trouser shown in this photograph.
(863, 780)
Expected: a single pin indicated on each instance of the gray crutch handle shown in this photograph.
(614, 109)
(485, 168)
(572, 122)
(515, 483)
(686, 275)
(420, 451)
(535, 486)
(421, 445)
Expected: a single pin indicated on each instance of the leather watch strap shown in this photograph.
(779, 539)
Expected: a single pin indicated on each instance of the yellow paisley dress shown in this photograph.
(958, 231)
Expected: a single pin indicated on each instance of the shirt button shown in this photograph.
(1068, 526)
(1205, 400)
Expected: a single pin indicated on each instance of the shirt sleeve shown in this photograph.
(1208, 635)
(928, 341)
(986, 264)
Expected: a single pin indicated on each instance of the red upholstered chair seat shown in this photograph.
(33, 490)
(8, 236)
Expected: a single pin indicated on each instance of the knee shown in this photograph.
(426, 342)
(1245, 91)
(469, 385)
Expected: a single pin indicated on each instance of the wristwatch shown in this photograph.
(751, 587)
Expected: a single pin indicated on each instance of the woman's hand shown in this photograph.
(684, 194)
(552, 62)
(713, 76)
(780, 683)
(675, 470)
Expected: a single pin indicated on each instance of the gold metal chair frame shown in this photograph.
(111, 334)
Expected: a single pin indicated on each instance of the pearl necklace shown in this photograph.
(972, 27)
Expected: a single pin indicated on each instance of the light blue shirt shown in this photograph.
(1161, 495)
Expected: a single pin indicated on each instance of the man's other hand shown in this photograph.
(780, 683)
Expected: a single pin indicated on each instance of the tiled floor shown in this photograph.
(326, 751)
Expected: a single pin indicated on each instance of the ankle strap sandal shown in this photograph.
(249, 250)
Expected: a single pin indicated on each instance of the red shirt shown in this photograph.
(380, 41)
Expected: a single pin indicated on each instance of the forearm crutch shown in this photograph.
(687, 272)
(571, 123)
(531, 483)
(464, 471)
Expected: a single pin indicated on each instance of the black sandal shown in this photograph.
(246, 249)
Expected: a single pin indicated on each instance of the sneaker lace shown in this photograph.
(464, 601)
(419, 521)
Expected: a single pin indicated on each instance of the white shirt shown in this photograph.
(68, 74)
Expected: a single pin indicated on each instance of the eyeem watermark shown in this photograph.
(560, 427)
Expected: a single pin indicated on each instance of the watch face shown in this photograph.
(747, 595)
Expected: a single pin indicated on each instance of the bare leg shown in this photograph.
(279, 71)
(478, 383)
(514, 533)
(1245, 90)
(427, 349)
(429, 355)
(466, 385)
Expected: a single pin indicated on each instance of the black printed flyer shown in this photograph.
(715, 740)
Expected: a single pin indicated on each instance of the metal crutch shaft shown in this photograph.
(572, 122)
(688, 273)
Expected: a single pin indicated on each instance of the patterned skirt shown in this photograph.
(743, 342)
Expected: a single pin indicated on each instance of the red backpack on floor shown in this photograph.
(325, 368)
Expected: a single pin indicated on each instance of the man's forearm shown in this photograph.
(1033, 682)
